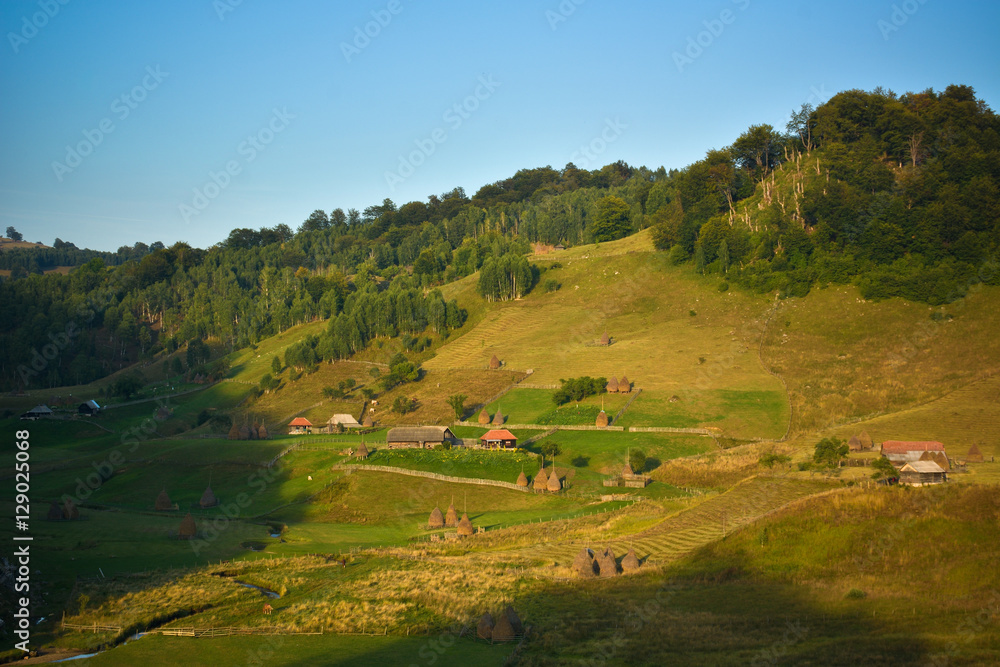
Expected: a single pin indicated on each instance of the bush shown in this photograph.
(576, 389)
(678, 255)
(552, 285)
(692, 313)
(723, 286)
(856, 594)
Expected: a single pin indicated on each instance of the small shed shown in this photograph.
(88, 408)
(559, 246)
(299, 426)
(498, 439)
(418, 437)
(495, 362)
(922, 473)
(484, 417)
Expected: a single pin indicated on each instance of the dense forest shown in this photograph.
(896, 193)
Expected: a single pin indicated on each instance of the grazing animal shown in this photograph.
(268, 609)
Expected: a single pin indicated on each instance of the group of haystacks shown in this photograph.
(463, 526)
(253, 431)
(188, 529)
(544, 481)
(67, 511)
(616, 386)
(588, 565)
(507, 626)
(498, 418)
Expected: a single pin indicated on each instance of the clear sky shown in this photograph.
(181, 120)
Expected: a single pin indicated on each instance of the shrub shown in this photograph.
(552, 285)
(723, 286)
(856, 594)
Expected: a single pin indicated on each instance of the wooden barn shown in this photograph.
(298, 426)
(498, 439)
(38, 412)
(341, 420)
(419, 437)
(900, 452)
(922, 473)
(88, 408)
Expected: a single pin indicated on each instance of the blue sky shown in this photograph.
(166, 121)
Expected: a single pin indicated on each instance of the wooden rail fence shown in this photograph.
(431, 475)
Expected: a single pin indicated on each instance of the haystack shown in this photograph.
(244, 432)
(436, 519)
(55, 512)
(602, 419)
(162, 413)
(866, 441)
(485, 628)
(605, 339)
(941, 459)
(484, 417)
(612, 386)
(515, 620)
(854, 444)
(369, 422)
(163, 503)
(522, 480)
(627, 470)
(583, 564)
(554, 484)
(262, 432)
(234, 432)
(498, 418)
(541, 480)
(975, 455)
(188, 529)
(494, 362)
(70, 511)
(208, 498)
(624, 386)
(253, 431)
(451, 517)
(362, 452)
(503, 631)
(631, 562)
(606, 563)
(465, 526)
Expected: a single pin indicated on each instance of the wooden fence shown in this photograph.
(619, 414)
(431, 475)
(667, 429)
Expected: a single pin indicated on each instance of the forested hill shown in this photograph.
(896, 193)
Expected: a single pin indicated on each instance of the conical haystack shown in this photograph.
(541, 480)
(975, 455)
(485, 628)
(631, 562)
(362, 452)
(627, 470)
(369, 422)
(522, 480)
(554, 484)
(70, 511)
(602, 419)
(262, 432)
(55, 512)
(498, 418)
(208, 498)
(465, 526)
(188, 529)
(612, 387)
(515, 620)
(606, 563)
(854, 444)
(583, 564)
(484, 417)
(253, 431)
(451, 517)
(163, 503)
(244, 432)
(494, 362)
(503, 631)
(234, 432)
(436, 519)
(866, 441)
(941, 459)
(605, 339)
(624, 386)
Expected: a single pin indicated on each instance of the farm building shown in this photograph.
(346, 421)
(921, 473)
(419, 437)
(88, 408)
(900, 452)
(298, 426)
(559, 246)
(498, 439)
(38, 412)
(627, 477)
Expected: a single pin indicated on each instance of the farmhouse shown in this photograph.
(346, 421)
(900, 452)
(498, 439)
(922, 473)
(89, 408)
(38, 412)
(298, 426)
(419, 437)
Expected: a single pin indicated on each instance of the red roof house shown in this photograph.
(901, 451)
(498, 439)
(299, 426)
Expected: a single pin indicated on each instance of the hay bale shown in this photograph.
(485, 628)
(522, 480)
(515, 620)
(605, 339)
(612, 386)
(55, 512)
(602, 419)
(436, 519)
(583, 564)
(498, 418)
(975, 455)
(624, 386)
(262, 432)
(503, 631)
(163, 503)
(70, 512)
(234, 432)
(541, 480)
(484, 417)
(451, 517)
(606, 564)
(554, 484)
(631, 562)
(465, 528)
(494, 362)
(208, 498)
(188, 529)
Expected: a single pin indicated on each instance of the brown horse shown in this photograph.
(268, 609)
